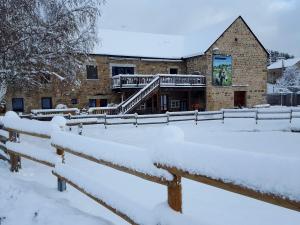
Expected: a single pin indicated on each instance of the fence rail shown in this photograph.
(196, 116)
(173, 184)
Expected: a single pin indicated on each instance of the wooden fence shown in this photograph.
(170, 117)
(174, 186)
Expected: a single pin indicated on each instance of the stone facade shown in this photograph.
(249, 60)
(249, 65)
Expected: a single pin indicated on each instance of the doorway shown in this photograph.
(240, 99)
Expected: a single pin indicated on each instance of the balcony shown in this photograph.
(166, 80)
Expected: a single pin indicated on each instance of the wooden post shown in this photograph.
(196, 117)
(105, 120)
(174, 194)
(136, 119)
(61, 184)
(80, 128)
(15, 160)
(158, 102)
(291, 115)
(256, 116)
(223, 116)
(168, 117)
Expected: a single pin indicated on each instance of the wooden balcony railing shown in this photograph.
(166, 80)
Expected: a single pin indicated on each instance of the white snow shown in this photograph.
(57, 110)
(284, 63)
(138, 44)
(33, 151)
(13, 121)
(141, 215)
(267, 148)
(119, 154)
(257, 171)
(27, 202)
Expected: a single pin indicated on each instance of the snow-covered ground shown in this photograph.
(30, 196)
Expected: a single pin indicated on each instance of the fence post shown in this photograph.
(80, 128)
(105, 120)
(291, 115)
(223, 116)
(15, 160)
(136, 119)
(168, 117)
(256, 116)
(174, 194)
(61, 184)
(196, 117)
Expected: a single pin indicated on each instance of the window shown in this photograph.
(116, 70)
(18, 104)
(163, 102)
(74, 101)
(173, 70)
(47, 103)
(92, 103)
(91, 72)
(142, 106)
(103, 102)
(175, 104)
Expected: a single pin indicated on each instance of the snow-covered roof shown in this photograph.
(126, 43)
(286, 63)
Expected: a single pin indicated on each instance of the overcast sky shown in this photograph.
(275, 22)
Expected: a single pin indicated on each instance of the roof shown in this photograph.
(286, 63)
(137, 44)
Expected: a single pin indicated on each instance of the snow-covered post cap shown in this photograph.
(10, 117)
(58, 123)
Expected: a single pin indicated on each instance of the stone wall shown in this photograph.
(249, 61)
(89, 89)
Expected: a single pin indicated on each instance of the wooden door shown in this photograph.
(240, 99)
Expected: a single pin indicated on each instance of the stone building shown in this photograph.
(148, 73)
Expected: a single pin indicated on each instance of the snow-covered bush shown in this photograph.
(290, 79)
(61, 106)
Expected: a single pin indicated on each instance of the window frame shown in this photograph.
(121, 65)
(174, 68)
(47, 98)
(97, 75)
(12, 104)
(74, 99)
(175, 104)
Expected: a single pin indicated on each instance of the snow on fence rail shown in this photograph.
(273, 179)
(72, 111)
(163, 167)
(196, 116)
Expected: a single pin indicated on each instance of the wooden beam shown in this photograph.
(117, 212)
(46, 163)
(124, 169)
(28, 133)
(265, 197)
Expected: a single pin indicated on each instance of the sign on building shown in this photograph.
(222, 70)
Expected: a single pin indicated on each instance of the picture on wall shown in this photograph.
(222, 70)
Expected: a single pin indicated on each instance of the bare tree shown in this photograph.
(45, 38)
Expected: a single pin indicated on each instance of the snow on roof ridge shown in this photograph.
(286, 62)
(155, 45)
